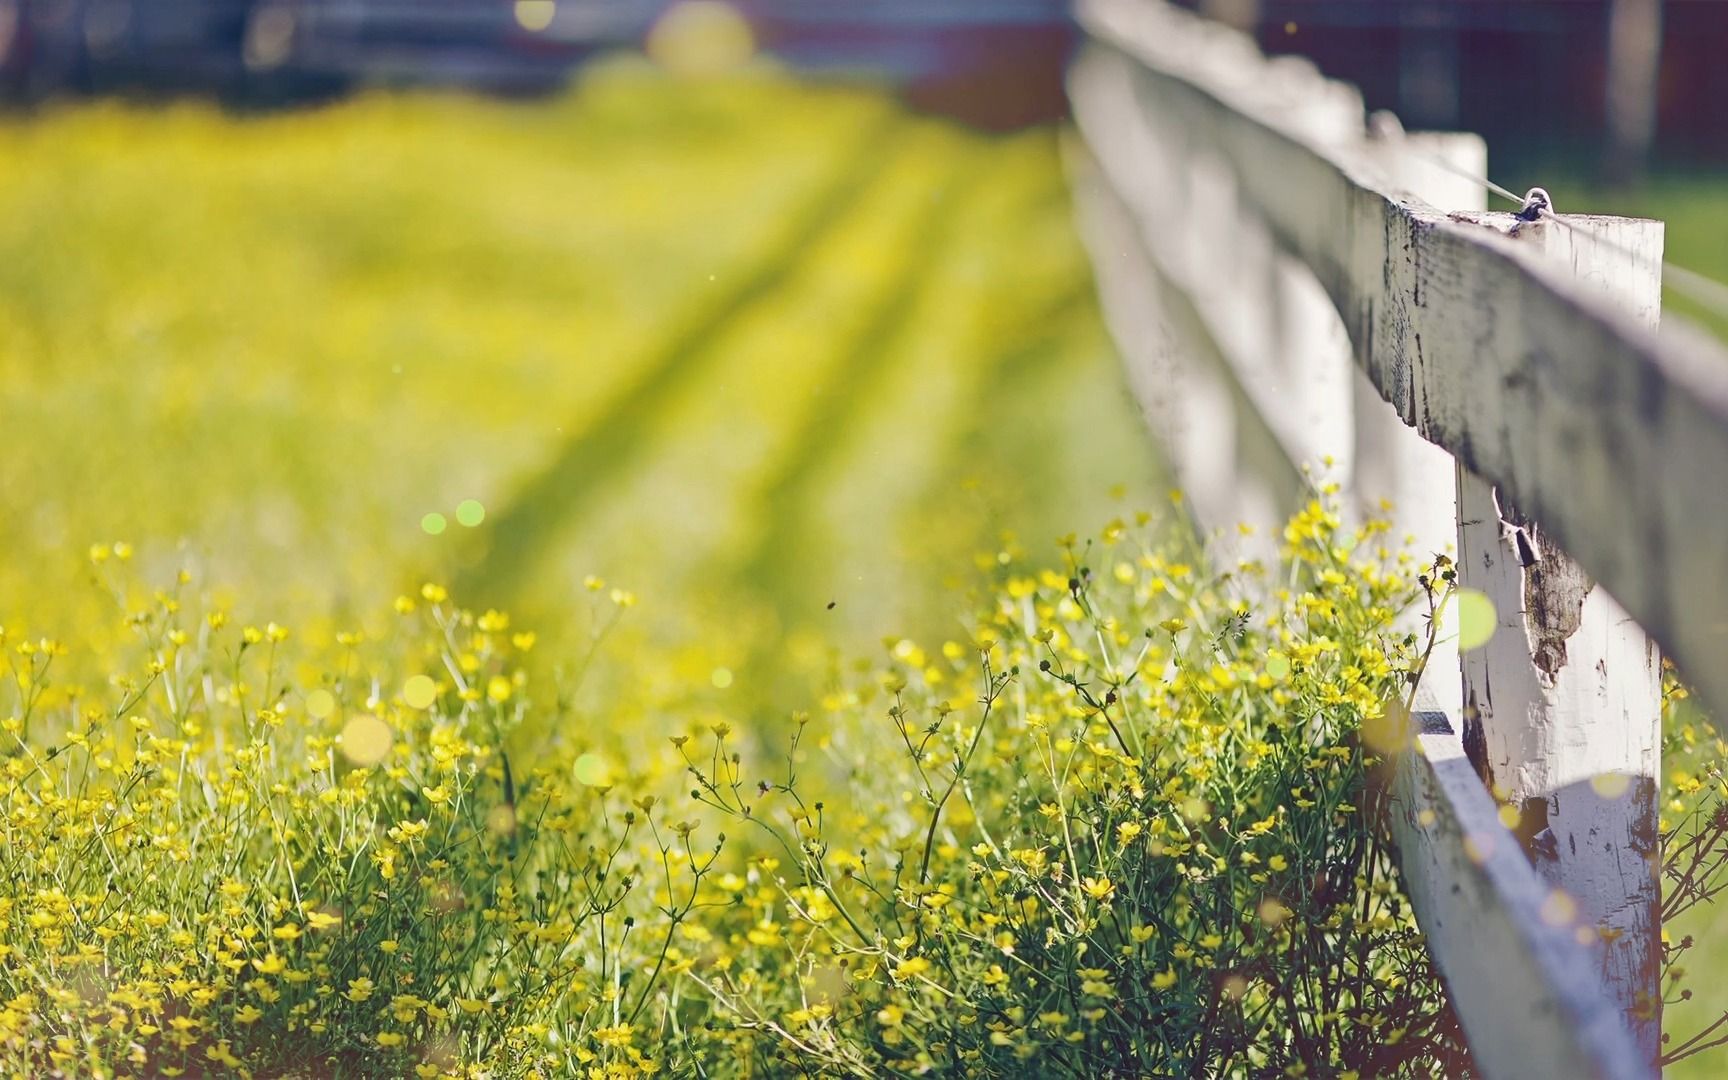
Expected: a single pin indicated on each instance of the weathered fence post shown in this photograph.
(1562, 708)
(1393, 462)
(1162, 300)
(1311, 351)
(1524, 349)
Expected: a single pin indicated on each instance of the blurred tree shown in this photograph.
(1634, 54)
(1429, 73)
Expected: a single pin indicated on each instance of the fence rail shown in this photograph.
(1285, 290)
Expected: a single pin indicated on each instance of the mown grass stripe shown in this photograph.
(822, 434)
(603, 451)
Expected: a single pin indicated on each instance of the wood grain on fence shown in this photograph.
(1221, 194)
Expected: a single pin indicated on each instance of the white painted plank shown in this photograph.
(1615, 438)
(1523, 987)
(1526, 994)
(1565, 702)
(1228, 464)
(1395, 466)
(1264, 314)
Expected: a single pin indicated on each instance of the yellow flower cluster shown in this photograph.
(1130, 832)
(240, 853)
(1122, 824)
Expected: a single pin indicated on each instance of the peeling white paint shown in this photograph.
(1229, 193)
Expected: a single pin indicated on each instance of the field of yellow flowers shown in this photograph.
(1114, 823)
(760, 345)
(576, 588)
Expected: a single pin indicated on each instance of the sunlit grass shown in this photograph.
(657, 329)
(312, 329)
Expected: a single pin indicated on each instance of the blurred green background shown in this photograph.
(777, 354)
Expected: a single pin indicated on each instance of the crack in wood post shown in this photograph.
(1564, 704)
(1555, 588)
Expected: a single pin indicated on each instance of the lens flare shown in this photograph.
(419, 692)
(366, 740)
(701, 37)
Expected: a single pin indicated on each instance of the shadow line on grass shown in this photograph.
(605, 450)
(773, 565)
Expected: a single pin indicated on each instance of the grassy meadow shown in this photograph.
(719, 379)
(754, 348)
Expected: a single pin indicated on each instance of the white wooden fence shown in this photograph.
(1291, 282)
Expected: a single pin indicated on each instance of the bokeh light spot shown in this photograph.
(722, 678)
(1610, 785)
(1391, 732)
(320, 703)
(1559, 909)
(447, 898)
(501, 820)
(701, 37)
(366, 740)
(535, 15)
(1477, 619)
(419, 692)
(433, 523)
(1273, 912)
(470, 513)
(1478, 846)
(591, 769)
